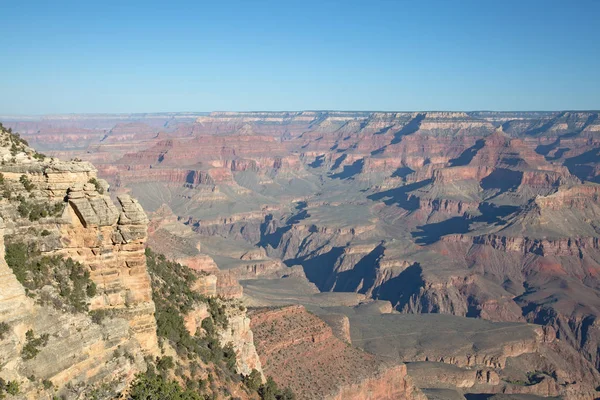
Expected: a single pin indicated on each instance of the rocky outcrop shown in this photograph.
(388, 384)
(240, 335)
(463, 296)
(111, 241)
(193, 319)
(318, 364)
(524, 245)
(245, 226)
(206, 285)
(236, 333)
(477, 356)
(228, 285)
(77, 353)
(427, 374)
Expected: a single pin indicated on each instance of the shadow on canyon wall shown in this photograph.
(400, 196)
(409, 128)
(490, 214)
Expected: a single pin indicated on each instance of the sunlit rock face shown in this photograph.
(481, 215)
(77, 220)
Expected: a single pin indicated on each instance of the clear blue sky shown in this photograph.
(145, 56)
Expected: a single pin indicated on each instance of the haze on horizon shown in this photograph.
(127, 57)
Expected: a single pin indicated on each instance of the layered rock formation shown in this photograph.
(75, 354)
(482, 214)
(301, 352)
(89, 331)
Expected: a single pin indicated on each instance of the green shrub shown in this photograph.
(253, 381)
(32, 347)
(23, 209)
(16, 256)
(217, 312)
(165, 363)
(97, 316)
(209, 327)
(34, 271)
(12, 388)
(270, 391)
(36, 211)
(155, 387)
(90, 289)
(97, 184)
(287, 394)
(4, 328)
(26, 183)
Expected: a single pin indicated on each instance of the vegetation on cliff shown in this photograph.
(32, 347)
(34, 211)
(155, 387)
(103, 348)
(174, 298)
(53, 280)
(97, 185)
(17, 144)
(4, 328)
(196, 354)
(10, 387)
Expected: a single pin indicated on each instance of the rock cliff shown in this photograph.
(59, 209)
(301, 352)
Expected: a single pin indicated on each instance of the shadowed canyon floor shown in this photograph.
(466, 245)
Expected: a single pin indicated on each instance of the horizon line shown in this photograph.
(19, 115)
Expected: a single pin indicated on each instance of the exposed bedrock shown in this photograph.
(109, 239)
(482, 214)
(300, 351)
(245, 226)
(81, 222)
(556, 274)
(477, 356)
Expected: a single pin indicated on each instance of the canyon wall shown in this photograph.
(77, 353)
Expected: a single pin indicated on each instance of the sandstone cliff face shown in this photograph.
(79, 353)
(108, 240)
(240, 335)
(111, 242)
(237, 333)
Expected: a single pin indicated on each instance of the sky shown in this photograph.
(132, 56)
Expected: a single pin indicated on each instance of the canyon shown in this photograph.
(79, 316)
(348, 235)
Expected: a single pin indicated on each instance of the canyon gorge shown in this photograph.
(356, 255)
